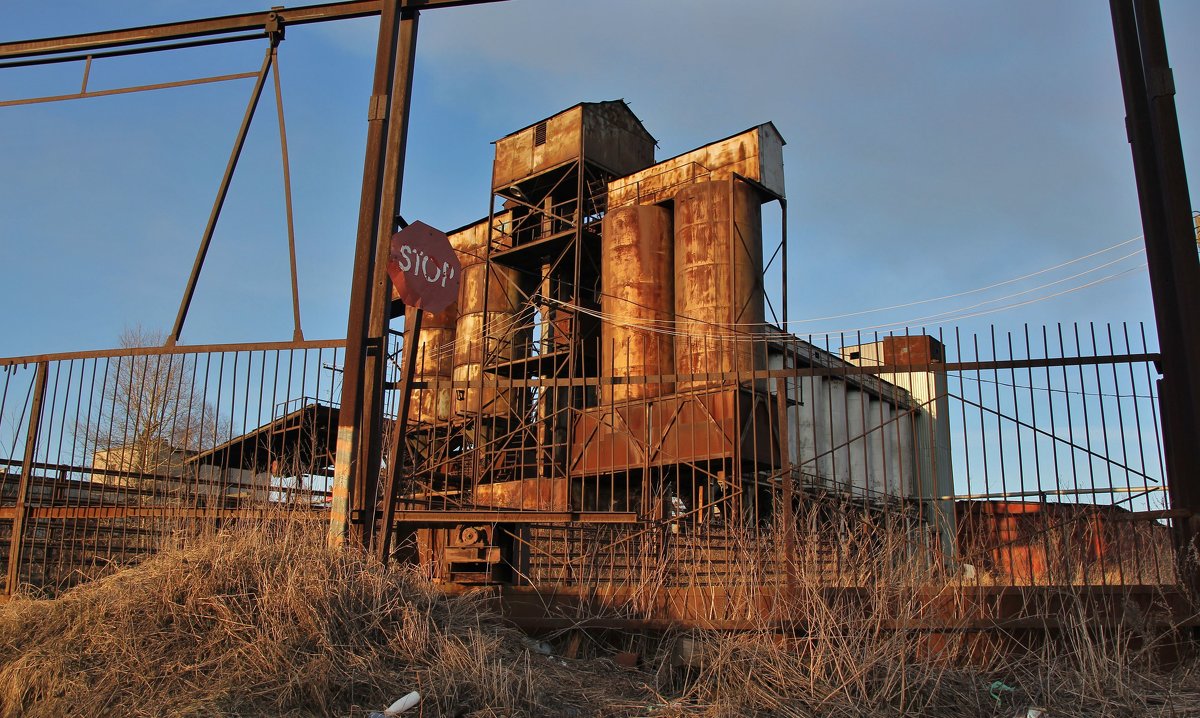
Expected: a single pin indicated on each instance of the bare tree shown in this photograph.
(152, 416)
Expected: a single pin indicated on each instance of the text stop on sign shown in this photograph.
(424, 267)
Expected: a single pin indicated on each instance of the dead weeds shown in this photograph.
(265, 620)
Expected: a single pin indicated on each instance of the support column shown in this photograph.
(22, 508)
(359, 442)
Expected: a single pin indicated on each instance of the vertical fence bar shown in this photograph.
(22, 510)
(785, 467)
(1033, 420)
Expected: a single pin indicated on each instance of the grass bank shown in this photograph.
(265, 620)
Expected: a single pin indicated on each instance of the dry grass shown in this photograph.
(846, 665)
(863, 646)
(264, 620)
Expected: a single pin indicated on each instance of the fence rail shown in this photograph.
(1030, 459)
(107, 455)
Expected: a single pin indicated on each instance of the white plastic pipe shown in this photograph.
(405, 703)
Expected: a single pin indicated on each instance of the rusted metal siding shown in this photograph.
(718, 289)
(675, 430)
(756, 154)
(917, 350)
(521, 155)
(531, 494)
(492, 296)
(614, 138)
(1048, 543)
(637, 271)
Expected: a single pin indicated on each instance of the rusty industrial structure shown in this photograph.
(608, 407)
(614, 421)
(603, 362)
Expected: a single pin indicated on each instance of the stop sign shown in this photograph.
(424, 269)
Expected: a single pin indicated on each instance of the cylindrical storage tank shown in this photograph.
(497, 297)
(811, 417)
(878, 415)
(435, 367)
(905, 455)
(839, 433)
(719, 309)
(856, 425)
(891, 448)
(637, 270)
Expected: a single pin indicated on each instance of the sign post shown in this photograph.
(425, 273)
(360, 436)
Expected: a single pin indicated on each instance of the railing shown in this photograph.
(656, 186)
(1022, 460)
(997, 460)
(106, 455)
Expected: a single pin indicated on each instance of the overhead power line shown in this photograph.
(737, 331)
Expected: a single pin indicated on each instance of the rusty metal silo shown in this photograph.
(499, 297)
(435, 366)
(638, 300)
(718, 282)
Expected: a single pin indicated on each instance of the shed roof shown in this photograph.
(311, 428)
(619, 103)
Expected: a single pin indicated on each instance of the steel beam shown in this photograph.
(166, 32)
(1153, 128)
(371, 428)
(365, 348)
(409, 518)
(443, 518)
(796, 372)
(193, 349)
(785, 468)
(297, 332)
(848, 370)
(412, 338)
(360, 423)
(164, 512)
(222, 192)
(127, 90)
(127, 52)
(967, 366)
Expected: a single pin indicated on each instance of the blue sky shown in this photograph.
(933, 148)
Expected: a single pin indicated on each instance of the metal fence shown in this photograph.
(1028, 459)
(105, 456)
